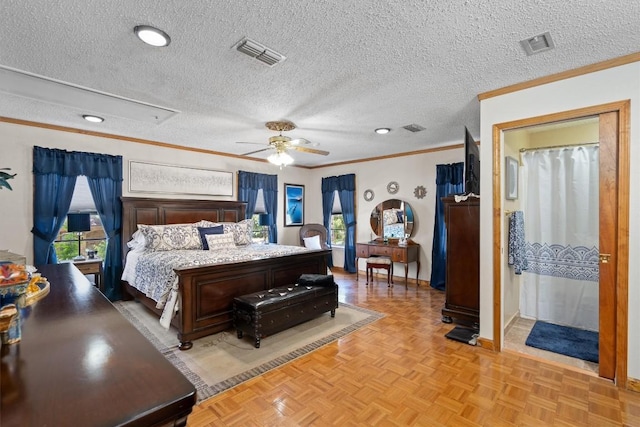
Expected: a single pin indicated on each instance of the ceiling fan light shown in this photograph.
(280, 159)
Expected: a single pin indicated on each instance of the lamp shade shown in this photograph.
(78, 222)
(265, 219)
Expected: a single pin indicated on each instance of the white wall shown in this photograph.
(17, 142)
(615, 84)
(410, 171)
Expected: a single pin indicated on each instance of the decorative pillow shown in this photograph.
(206, 223)
(312, 242)
(220, 241)
(137, 242)
(242, 231)
(400, 215)
(171, 237)
(205, 231)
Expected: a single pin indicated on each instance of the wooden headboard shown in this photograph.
(152, 211)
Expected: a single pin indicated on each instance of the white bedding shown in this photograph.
(152, 272)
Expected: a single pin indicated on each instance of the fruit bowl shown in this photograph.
(20, 289)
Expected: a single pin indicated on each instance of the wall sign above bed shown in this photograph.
(169, 179)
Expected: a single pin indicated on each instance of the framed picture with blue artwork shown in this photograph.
(293, 205)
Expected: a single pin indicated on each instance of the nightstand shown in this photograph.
(91, 266)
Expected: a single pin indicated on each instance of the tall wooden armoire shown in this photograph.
(462, 287)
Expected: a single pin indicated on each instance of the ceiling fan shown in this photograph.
(281, 144)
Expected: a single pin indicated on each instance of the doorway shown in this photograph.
(614, 217)
(554, 287)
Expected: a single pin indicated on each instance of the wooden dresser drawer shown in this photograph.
(381, 250)
(399, 255)
(362, 251)
(89, 267)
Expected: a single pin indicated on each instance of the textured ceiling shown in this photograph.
(351, 66)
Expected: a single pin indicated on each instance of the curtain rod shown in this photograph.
(522, 150)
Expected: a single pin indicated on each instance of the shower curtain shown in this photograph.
(561, 236)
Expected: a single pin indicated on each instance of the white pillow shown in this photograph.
(137, 242)
(312, 242)
(220, 241)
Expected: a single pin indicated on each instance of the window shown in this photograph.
(338, 230)
(258, 232)
(69, 245)
(93, 240)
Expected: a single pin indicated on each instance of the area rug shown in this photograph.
(221, 361)
(566, 340)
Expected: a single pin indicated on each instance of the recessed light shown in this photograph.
(382, 131)
(92, 119)
(152, 36)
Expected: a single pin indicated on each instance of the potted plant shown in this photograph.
(4, 177)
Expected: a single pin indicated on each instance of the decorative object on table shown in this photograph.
(368, 195)
(4, 177)
(511, 179)
(265, 222)
(20, 289)
(393, 187)
(420, 192)
(293, 205)
(78, 223)
(91, 254)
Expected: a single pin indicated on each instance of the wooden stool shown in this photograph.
(380, 262)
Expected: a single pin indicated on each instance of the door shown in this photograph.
(613, 231)
(608, 242)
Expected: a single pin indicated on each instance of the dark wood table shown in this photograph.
(81, 363)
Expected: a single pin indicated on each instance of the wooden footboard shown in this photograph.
(208, 291)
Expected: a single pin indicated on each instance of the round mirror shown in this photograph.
(392, 219)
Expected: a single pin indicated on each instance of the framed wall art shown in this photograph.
(511, 179)
(169, 179)
(293, 205)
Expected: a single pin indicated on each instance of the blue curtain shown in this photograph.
(55, 173)
(449, 180)
(248, 185)
(346, 187)
(327, 204)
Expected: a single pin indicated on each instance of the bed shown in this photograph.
(207, 291)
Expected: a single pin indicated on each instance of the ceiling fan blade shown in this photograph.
(299, 141)
(310, 150)
(254, 152)
(247, 142)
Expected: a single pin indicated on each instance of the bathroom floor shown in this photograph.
(516, 335)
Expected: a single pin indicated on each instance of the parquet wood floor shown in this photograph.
(402, 371)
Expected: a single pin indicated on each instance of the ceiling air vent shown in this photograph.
(260, 52)
(537, 44)
(413, 128)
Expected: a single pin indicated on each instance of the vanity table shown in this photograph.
(390, 221)
(398, 253)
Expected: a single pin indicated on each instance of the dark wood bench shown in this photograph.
(265, 313)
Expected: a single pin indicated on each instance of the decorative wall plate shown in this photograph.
(393, 187)
(420, 192)
(368, 195)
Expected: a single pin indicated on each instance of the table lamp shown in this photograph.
(78, 222)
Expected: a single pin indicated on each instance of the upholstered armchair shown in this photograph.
(308, 231)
